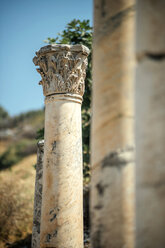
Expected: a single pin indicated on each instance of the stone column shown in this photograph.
(112, 193)
(63, 70)
(38, 196)
(150, 124)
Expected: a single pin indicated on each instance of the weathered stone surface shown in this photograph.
(38, 196)
(112, 194)
(38, 202)
(150, 27)
(150, 124)
(62, 210)
(62, 68)
(150, 160)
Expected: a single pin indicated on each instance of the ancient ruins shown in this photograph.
(63, 70)
(150, 124)
(112, 155)
(127, 201)
(38, 196)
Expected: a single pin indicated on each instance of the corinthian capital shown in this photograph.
(62, 68)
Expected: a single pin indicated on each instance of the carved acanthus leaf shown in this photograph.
(64, 70)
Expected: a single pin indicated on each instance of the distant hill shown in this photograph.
(24, 125)
(17, 173)
(18, 135)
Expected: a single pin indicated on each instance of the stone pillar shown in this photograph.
(112, 193)
(150, 124)
(38, 196)
(63, 70)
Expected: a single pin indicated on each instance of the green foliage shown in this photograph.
(3, 113)
(8, 158)
(33, 118)
(80, 32)
(27, 117)
(40, 134)
(16, 152)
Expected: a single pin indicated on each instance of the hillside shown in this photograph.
(16, 201)
(24, 125)
(18, 136)
(17, 174)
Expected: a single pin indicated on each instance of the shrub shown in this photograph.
(15, 215)
(3, 113)
(16, 152)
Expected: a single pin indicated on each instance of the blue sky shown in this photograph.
(24, 24)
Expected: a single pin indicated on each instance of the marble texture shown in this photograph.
(150, 23)
(62, 68)
(112, 144)
(150, 125)
(38, 196)
(38, 201)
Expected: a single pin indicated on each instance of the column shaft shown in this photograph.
(112, 196)
(62, 209)
(63, 70)
(150, 124)
(38, 196)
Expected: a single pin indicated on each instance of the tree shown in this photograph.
(3, 113)
(80, 32)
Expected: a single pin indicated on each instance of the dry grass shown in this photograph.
(16, 201)
(4, 145)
